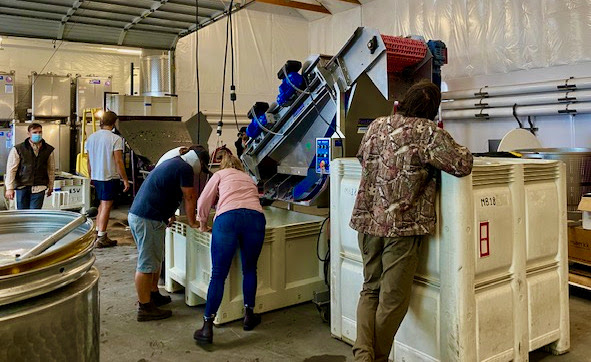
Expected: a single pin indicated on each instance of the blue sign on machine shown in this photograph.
(323, 155)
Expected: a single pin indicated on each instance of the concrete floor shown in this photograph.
(291, 334)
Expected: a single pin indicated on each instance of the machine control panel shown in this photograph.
(323, 155)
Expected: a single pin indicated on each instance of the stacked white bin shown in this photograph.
(492, 282)
(70, 192)
(288, 269)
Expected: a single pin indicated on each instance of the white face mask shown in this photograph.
(193, 160)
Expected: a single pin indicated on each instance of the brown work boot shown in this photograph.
(150, 312)
(251, 319)
(104, 242)
(205, 334)
(159, 299)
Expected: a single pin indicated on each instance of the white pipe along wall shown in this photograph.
(554, 130)
(548, 86)
(542, 104)
(519, 99)
(537, 110)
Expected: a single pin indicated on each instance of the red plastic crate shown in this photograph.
(403, 52)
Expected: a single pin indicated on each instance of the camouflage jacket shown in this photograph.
(400, 157)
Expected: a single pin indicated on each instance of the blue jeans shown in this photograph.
(25, 199)
(242, 228)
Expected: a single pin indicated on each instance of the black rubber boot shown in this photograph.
(160, 299)
(251, 319)
(205, 334)
(150, 312)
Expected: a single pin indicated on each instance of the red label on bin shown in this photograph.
(484, 239)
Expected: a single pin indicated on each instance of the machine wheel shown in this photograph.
(324, 311)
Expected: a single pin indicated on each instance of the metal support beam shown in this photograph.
(191, 4)
(65, 18)
(213, 19)
(26, 7)
(356, 2)
(155, 6)
(297, 5)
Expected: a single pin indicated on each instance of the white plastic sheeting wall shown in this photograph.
(263, 41)
(483, 37)
(489, 43)
(27, 55)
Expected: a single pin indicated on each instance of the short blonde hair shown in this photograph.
(230, 161)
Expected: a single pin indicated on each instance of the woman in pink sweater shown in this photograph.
(239, 222)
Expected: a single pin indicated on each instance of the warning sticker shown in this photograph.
(484, 239)
(8, 88)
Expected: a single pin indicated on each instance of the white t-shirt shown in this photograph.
(172, 154)
(101, 146)
(168, 155)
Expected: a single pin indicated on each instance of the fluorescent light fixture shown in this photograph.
(124, 51)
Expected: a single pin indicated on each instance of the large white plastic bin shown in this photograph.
(488, 275)
(289, 271)
(546, 253)
(70, 192)
(175, 254)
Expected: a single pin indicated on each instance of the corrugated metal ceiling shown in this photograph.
(155, 24)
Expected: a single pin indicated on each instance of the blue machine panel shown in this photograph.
(323, 155)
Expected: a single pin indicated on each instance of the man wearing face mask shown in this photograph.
(105, 166)
(30, 170)
(152, 210)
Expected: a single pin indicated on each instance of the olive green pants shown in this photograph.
(389, 265)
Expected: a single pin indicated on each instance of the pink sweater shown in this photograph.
(234, 190)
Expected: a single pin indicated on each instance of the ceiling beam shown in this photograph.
(356, 2)
(65, 18)
(45, 2)
(35, 5)
(215, 18)
(191, 5)
(26, 7)
(155, 6)
(94, 6)
(297, 5)
(75, 21)
(121, 23)
(37, 17)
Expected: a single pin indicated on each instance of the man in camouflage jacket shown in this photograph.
(395, 206)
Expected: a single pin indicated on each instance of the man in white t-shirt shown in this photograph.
(105, 166)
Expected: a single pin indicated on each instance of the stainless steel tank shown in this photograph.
(62, 325)
(49, 307)
(156, 75)
(51, 95)
(7, 96)
(578, 169)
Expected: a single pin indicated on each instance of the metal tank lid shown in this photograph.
(21, 230)
(561, 151)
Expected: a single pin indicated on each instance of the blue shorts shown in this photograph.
(106, 190)
(149, 238)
